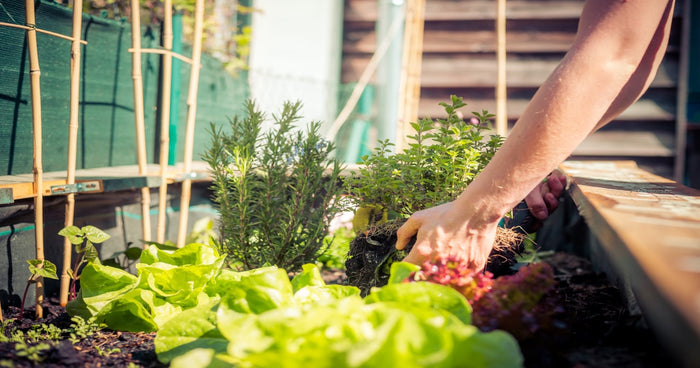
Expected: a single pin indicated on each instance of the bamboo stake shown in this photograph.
(40, 31)
(501, 95)
(165, 117)
(410, 70)
(72, 144)
(139, 124)
(165, 52)
(35, 74)
(191, 119)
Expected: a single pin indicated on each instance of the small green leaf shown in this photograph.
(94, 234)
(42, 268)
(73, 233)
(111, 262)
(133, 253)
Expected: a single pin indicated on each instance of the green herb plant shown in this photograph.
(442, 158)
(274, 190)
(84, 240)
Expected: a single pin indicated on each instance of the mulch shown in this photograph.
(599, 333)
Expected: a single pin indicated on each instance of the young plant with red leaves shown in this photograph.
(521, 304)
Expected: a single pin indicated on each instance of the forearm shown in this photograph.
(610, 65)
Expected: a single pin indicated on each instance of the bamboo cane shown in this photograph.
(35, 74)
(165, 117)
(137, 78)
(72, 144)
(5, 24)
(410, 70)
(501, 96)
(191, 119)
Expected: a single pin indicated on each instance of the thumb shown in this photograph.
(405, 232)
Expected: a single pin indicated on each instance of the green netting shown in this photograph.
(106, 131)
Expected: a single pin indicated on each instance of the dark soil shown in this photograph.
(599, 331)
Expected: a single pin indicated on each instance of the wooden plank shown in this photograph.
(628, 143)
(112, 178)
(552, 36)
(657, 105)
(440, 71)
(440, 10)
(649, 227)
(445, 10)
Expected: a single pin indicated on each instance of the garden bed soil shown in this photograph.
(599, 333)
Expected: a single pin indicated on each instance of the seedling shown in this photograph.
(84, 239)
(39, 268)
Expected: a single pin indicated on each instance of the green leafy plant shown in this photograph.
(442, 158)
(84, 239)
(81, 328)
(44, 332)
(124, 259)
(274, 190)
(338, 245)
(205, 315)
(39, 268)
(31, 352)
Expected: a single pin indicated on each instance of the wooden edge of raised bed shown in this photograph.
(649, 228)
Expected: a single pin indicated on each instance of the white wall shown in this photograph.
(296, 55)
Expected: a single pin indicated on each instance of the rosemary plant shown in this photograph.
(274, 190)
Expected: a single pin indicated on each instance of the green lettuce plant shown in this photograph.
(274, 190)
(207, 315)
(442, 158)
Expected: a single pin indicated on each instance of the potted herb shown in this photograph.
(442, 158)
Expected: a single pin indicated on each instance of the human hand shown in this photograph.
(544, 199)
(446, 231)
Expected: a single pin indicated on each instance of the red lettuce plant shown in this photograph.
(521, 304)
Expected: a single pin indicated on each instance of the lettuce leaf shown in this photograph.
(194, 328)
(424, 295)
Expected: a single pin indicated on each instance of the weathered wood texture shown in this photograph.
(459, 57)
(649, 227)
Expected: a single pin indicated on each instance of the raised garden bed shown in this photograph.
(599, 331)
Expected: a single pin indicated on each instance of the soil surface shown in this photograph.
(600, 333)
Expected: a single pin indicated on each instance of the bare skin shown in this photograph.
(614, 58)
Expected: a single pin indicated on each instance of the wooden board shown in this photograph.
(441, 10)
(456, 71)
(650, 228)
(109, 178)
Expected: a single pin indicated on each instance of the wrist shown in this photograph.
(483, 211)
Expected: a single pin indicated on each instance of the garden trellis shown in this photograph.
(66, 184)
(35, 74)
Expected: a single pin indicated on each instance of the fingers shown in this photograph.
(536, 204)
(405, 232)
(556, 184)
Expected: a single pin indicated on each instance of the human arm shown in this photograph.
(617, 50)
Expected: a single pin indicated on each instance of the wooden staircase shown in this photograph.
(459, 57)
